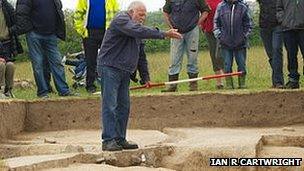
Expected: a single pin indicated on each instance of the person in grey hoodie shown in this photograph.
(290, 14)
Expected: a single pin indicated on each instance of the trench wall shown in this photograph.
(263, 109)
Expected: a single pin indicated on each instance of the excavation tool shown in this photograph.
(186, 80)
(183, 81)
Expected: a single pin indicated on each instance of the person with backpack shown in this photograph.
(232, 26)
(185, 16)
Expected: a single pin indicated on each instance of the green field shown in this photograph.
(258, 77)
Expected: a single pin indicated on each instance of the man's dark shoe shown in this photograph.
(278, 86)
(292, 85)
(111, 146)
(69, 94)
(127, 144)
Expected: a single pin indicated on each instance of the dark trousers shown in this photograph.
(91, 45)
(293, 40)
(273, 43)
(47, 74)
(215, 54)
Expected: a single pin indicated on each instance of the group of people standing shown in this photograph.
(227, 25)
(282, 22)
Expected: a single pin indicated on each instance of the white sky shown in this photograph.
(152, 5)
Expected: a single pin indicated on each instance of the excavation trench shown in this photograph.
(174, 132)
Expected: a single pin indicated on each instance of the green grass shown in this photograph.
(258, 78)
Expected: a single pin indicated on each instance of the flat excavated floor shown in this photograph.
(173, 148)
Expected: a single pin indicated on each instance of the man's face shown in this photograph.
(139, 15)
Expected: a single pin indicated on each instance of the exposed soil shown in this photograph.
(176, 148)
(265, 109)
(174, 132)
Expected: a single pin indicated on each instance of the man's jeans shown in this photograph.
(273, 43)
(41, 46)
(293, 40)
(188, 44)
(240, 58)
(115, 102)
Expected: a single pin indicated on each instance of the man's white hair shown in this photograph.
(136, 4)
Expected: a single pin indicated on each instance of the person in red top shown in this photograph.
(207, 28)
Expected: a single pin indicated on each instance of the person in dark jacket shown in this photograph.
(272, 37)
(43, 22)
(142, 67)
(116, 60)
(232, 26)
(290, 14)
(9, 47)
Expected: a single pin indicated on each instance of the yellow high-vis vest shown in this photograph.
(81, 15)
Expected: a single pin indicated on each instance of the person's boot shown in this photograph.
(111, 146)
(8, 92)
(219, 81)
(193, 84)
(2, 95)
(229, 83)
(172, 87)
(127, 145)
(242, 81)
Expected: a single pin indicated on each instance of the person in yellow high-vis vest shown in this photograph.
(91, 19)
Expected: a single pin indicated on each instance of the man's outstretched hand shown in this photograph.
(172, 33)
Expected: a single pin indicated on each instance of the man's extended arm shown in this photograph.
(128, 27)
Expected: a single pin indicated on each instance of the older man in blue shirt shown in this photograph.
(117, 59)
